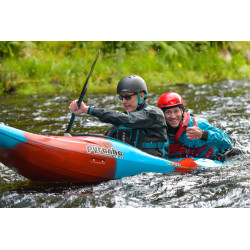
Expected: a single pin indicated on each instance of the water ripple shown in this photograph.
(225, 104)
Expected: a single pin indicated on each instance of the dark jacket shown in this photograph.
(145, 128)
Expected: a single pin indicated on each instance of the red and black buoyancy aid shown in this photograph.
(178, 150)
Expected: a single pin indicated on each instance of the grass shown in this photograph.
(58, 67)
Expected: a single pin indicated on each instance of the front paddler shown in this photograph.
(141, 125)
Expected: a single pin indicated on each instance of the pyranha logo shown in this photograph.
(106, 151)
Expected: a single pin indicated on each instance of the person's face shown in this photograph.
(130, 102)
(173, 116)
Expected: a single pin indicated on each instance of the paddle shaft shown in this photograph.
(84, 90)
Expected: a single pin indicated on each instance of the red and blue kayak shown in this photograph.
(85, 158)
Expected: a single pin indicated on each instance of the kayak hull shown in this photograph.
(88, 158)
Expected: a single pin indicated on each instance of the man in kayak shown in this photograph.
(141, 125)
(189, 135)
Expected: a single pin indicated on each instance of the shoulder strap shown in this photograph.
(183, 125)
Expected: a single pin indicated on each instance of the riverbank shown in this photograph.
(56, 67)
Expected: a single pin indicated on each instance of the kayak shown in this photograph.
(83, 158)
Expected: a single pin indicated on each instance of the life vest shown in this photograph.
(129, 135)
(178, 150)
(139, 138)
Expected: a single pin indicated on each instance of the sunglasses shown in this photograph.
(126, 97)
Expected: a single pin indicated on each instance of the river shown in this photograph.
(225, 104)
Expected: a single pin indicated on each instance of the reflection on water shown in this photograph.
(226, 105)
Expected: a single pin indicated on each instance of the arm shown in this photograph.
(212, 136)
(146, 118)
(150, 117)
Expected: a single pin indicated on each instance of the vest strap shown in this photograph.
(153, 144)
(183, 125)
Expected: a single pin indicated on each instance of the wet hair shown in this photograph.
(179, 106)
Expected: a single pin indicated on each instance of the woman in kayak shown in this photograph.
(141, 125)
(189, 135)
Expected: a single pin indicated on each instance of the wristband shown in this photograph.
(204, 135)
(90, 110)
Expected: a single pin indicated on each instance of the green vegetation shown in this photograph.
(57, 67)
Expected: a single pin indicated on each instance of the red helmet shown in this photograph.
(170, 99)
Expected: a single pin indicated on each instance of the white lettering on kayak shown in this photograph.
(106, 151)
(176, 164)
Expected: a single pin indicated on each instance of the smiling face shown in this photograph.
(131, 105)
(173, 116)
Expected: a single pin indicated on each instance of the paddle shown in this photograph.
(84, 90)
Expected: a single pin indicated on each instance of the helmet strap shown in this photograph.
(141, 100)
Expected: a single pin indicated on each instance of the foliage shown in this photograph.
(41, 67)
(6, 48)
(12, 49)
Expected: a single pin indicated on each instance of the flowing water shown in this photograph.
(225, 104)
